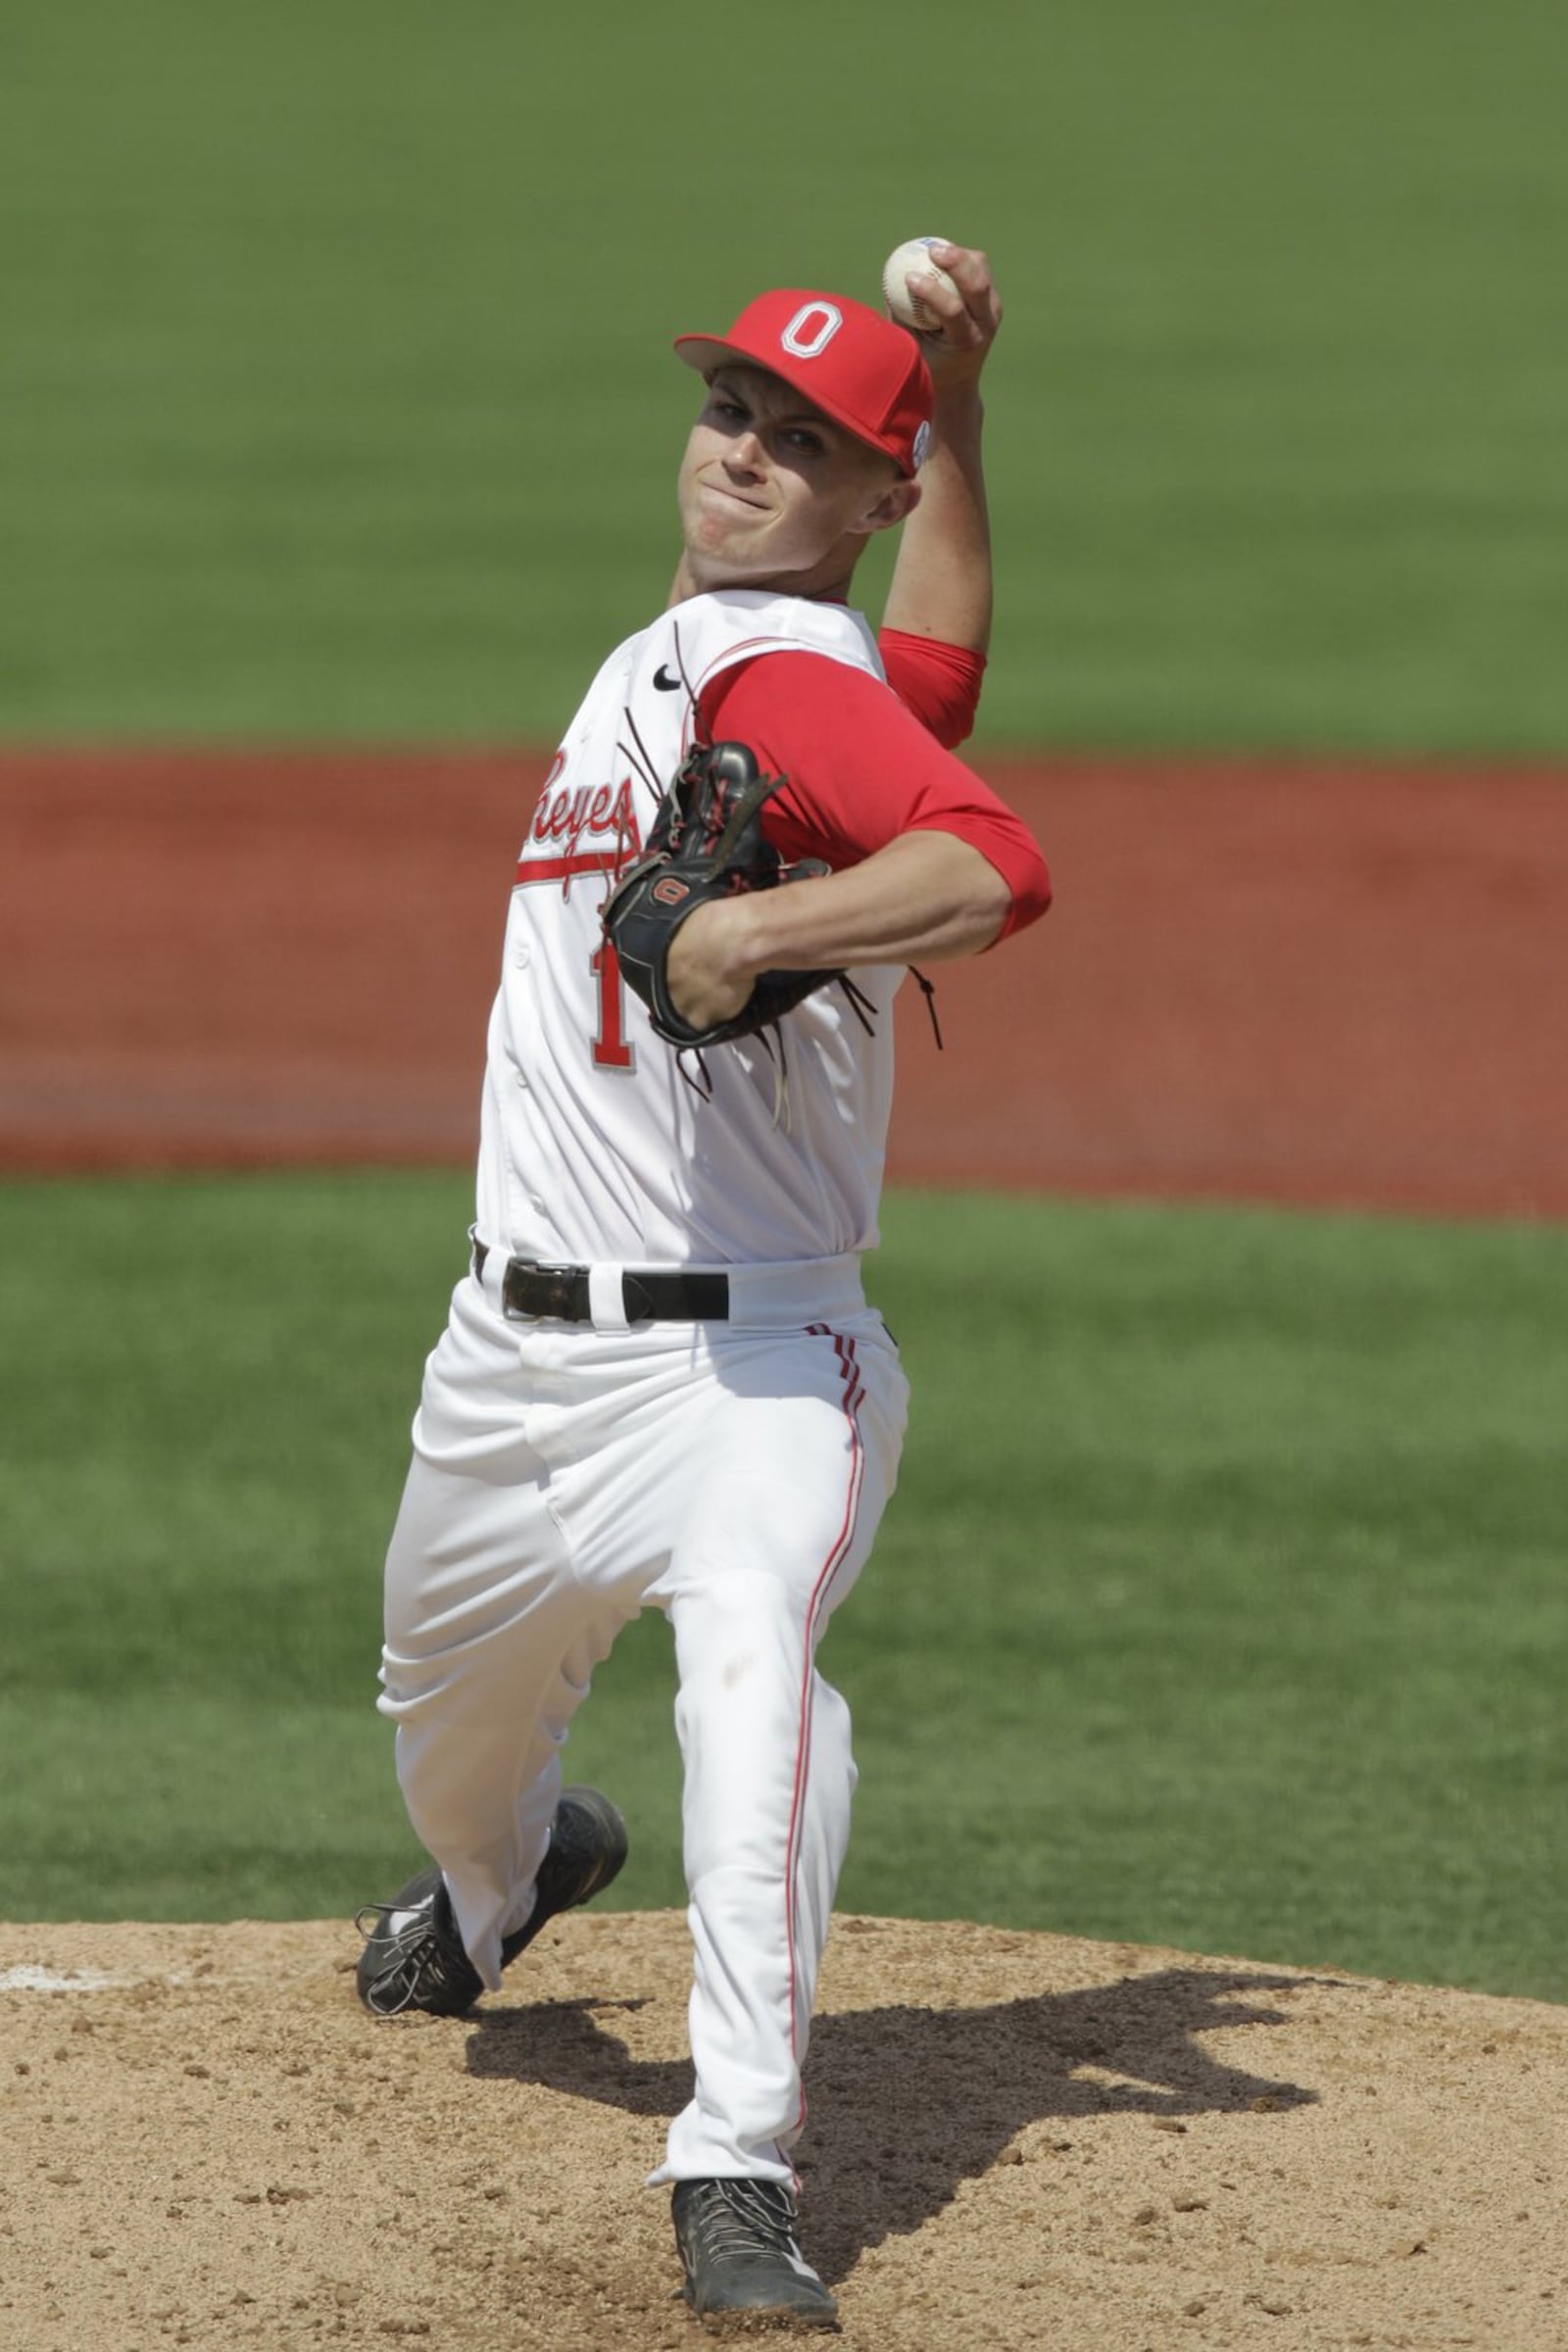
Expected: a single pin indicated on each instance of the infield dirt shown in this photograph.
(1015, 2139)
(1294, 981)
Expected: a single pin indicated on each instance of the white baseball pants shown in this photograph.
(564, 1478)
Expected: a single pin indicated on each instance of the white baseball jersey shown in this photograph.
(595, 1145)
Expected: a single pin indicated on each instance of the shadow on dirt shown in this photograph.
(908, 2103)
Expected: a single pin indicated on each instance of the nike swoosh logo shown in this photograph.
(664, 682)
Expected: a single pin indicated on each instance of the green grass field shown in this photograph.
(335, 397)
(1221, 1602)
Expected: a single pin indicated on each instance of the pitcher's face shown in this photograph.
(775, 493)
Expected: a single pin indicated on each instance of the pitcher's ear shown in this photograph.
(899, 499)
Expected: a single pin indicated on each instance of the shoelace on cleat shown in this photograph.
(732, 2217)
(421, 1962)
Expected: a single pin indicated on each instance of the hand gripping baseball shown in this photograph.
(706, 843)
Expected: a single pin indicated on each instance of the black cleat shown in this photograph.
(414, 1956)
(737, 2247)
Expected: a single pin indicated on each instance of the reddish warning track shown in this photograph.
(1303, 981)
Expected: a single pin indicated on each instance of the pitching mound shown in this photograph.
(1015, 2141)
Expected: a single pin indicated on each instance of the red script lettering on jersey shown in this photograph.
(593, 829)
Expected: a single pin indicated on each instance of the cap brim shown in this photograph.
(705, 353)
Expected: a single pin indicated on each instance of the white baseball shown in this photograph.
(906, 261)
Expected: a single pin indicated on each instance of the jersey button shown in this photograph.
(519, 955)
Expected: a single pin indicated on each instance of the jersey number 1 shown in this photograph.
(612, 1051)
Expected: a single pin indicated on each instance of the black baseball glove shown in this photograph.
(706, 843)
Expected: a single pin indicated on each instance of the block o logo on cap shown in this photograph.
(811, 329)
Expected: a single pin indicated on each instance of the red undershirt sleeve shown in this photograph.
(939, 682)
(862, 769)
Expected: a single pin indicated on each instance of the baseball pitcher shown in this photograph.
(661, 1385)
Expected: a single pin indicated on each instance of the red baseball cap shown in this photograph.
(849, 362)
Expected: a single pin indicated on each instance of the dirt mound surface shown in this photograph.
(1015, 2139)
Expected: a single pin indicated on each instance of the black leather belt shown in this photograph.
(559, 1294)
